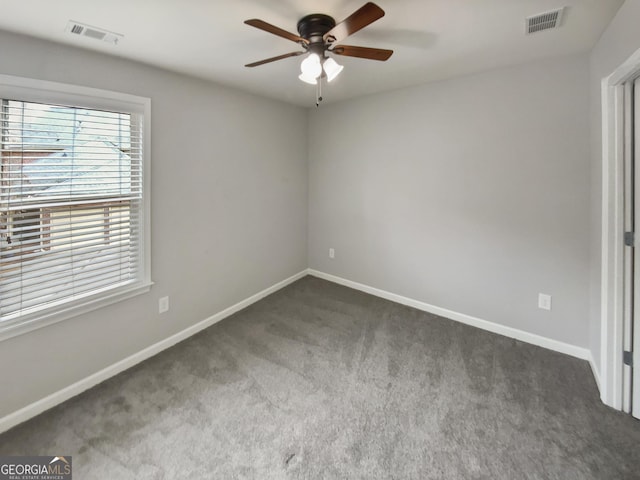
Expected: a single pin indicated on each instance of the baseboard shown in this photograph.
(566, 348)
(56, 398)
(595, 371)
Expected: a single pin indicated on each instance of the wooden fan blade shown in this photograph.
(363, 52)
(267, 27)
(273, 59)
(368, 13)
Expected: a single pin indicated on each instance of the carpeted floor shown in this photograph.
(319, 381)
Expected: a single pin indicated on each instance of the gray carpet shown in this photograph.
(321, 381)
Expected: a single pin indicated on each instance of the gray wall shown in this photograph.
(618, 42)
(470, 194)
(229, 213)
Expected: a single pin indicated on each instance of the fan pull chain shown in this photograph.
(319, 91)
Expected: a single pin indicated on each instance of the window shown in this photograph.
(73, 201)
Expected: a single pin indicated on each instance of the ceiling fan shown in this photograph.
(318, 35)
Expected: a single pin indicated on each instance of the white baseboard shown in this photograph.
(595, 371)
(80, 386)
(566, 348)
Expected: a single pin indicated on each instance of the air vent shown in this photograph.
(544, 21)
(83, 30)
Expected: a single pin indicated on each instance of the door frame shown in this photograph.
(611, 369)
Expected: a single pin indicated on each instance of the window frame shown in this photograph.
(42, 91)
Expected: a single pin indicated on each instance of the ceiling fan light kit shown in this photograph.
(313, 70)
(318, 35)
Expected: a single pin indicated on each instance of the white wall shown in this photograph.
(618, 42)
(229, 213)
(470, 195)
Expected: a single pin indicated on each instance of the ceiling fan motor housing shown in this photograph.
(313, 27)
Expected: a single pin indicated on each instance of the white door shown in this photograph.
(635, 334)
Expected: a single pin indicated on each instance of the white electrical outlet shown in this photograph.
(163, 305)
(544, 301)
(332, 253)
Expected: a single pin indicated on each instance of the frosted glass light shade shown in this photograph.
(310, 66)
(332, 68)
(308, 78)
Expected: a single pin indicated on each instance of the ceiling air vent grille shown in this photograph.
(83, 30)
(544, 21)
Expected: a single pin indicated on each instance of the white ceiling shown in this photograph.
(431, 39)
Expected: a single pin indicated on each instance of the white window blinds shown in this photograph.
(71, 196)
